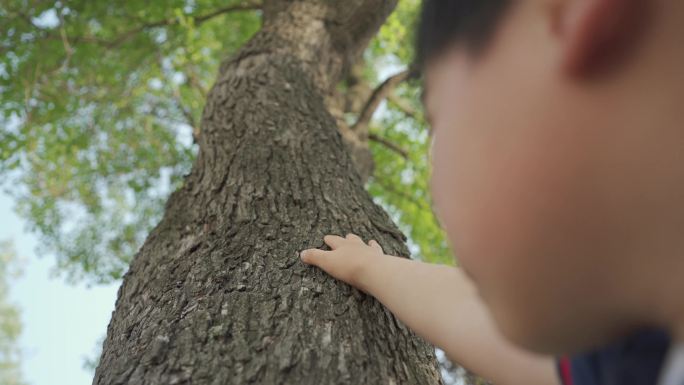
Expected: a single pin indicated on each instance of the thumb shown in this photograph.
(374, 244)
(313, 256)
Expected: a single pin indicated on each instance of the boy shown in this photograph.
(558, 174)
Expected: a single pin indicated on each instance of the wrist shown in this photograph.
(369, 273)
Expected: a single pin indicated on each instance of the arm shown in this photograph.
(439, 303)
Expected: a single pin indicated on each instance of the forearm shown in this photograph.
(440, 304)
(437, 302)
(426, 297)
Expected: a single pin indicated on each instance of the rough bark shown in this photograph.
(217, 294)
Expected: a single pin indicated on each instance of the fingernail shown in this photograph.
(302, 254)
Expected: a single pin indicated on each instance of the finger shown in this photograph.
(354, 237)
(333, 241)
(374, 244)
(313, 256)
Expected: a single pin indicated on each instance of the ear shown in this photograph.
(597, 35)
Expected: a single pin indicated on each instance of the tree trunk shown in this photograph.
(217, 294)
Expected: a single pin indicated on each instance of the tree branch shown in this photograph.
(244, 6)
(401, 193)
(390, 145)
(378, 95)
(402, 104)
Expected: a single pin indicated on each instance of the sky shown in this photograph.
(62, 323)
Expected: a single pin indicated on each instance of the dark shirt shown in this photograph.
(635, 360)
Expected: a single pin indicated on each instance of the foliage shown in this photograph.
(98, 104)
(99, 101)
(10, 325)
(401, 185)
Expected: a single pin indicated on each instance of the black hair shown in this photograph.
(446, 22)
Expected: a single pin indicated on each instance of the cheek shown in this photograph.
(515, 218)
(514, 183)
(508, 186)
(519, 209)
(481, 187)
(509, 198)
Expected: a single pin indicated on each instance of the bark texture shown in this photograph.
(217, 294)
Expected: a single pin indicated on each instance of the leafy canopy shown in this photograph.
(100, 100)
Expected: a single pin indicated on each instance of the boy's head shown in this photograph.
(558, 160)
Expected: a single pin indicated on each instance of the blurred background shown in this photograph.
(100, 102)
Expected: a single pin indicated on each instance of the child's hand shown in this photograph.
(347, 258)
